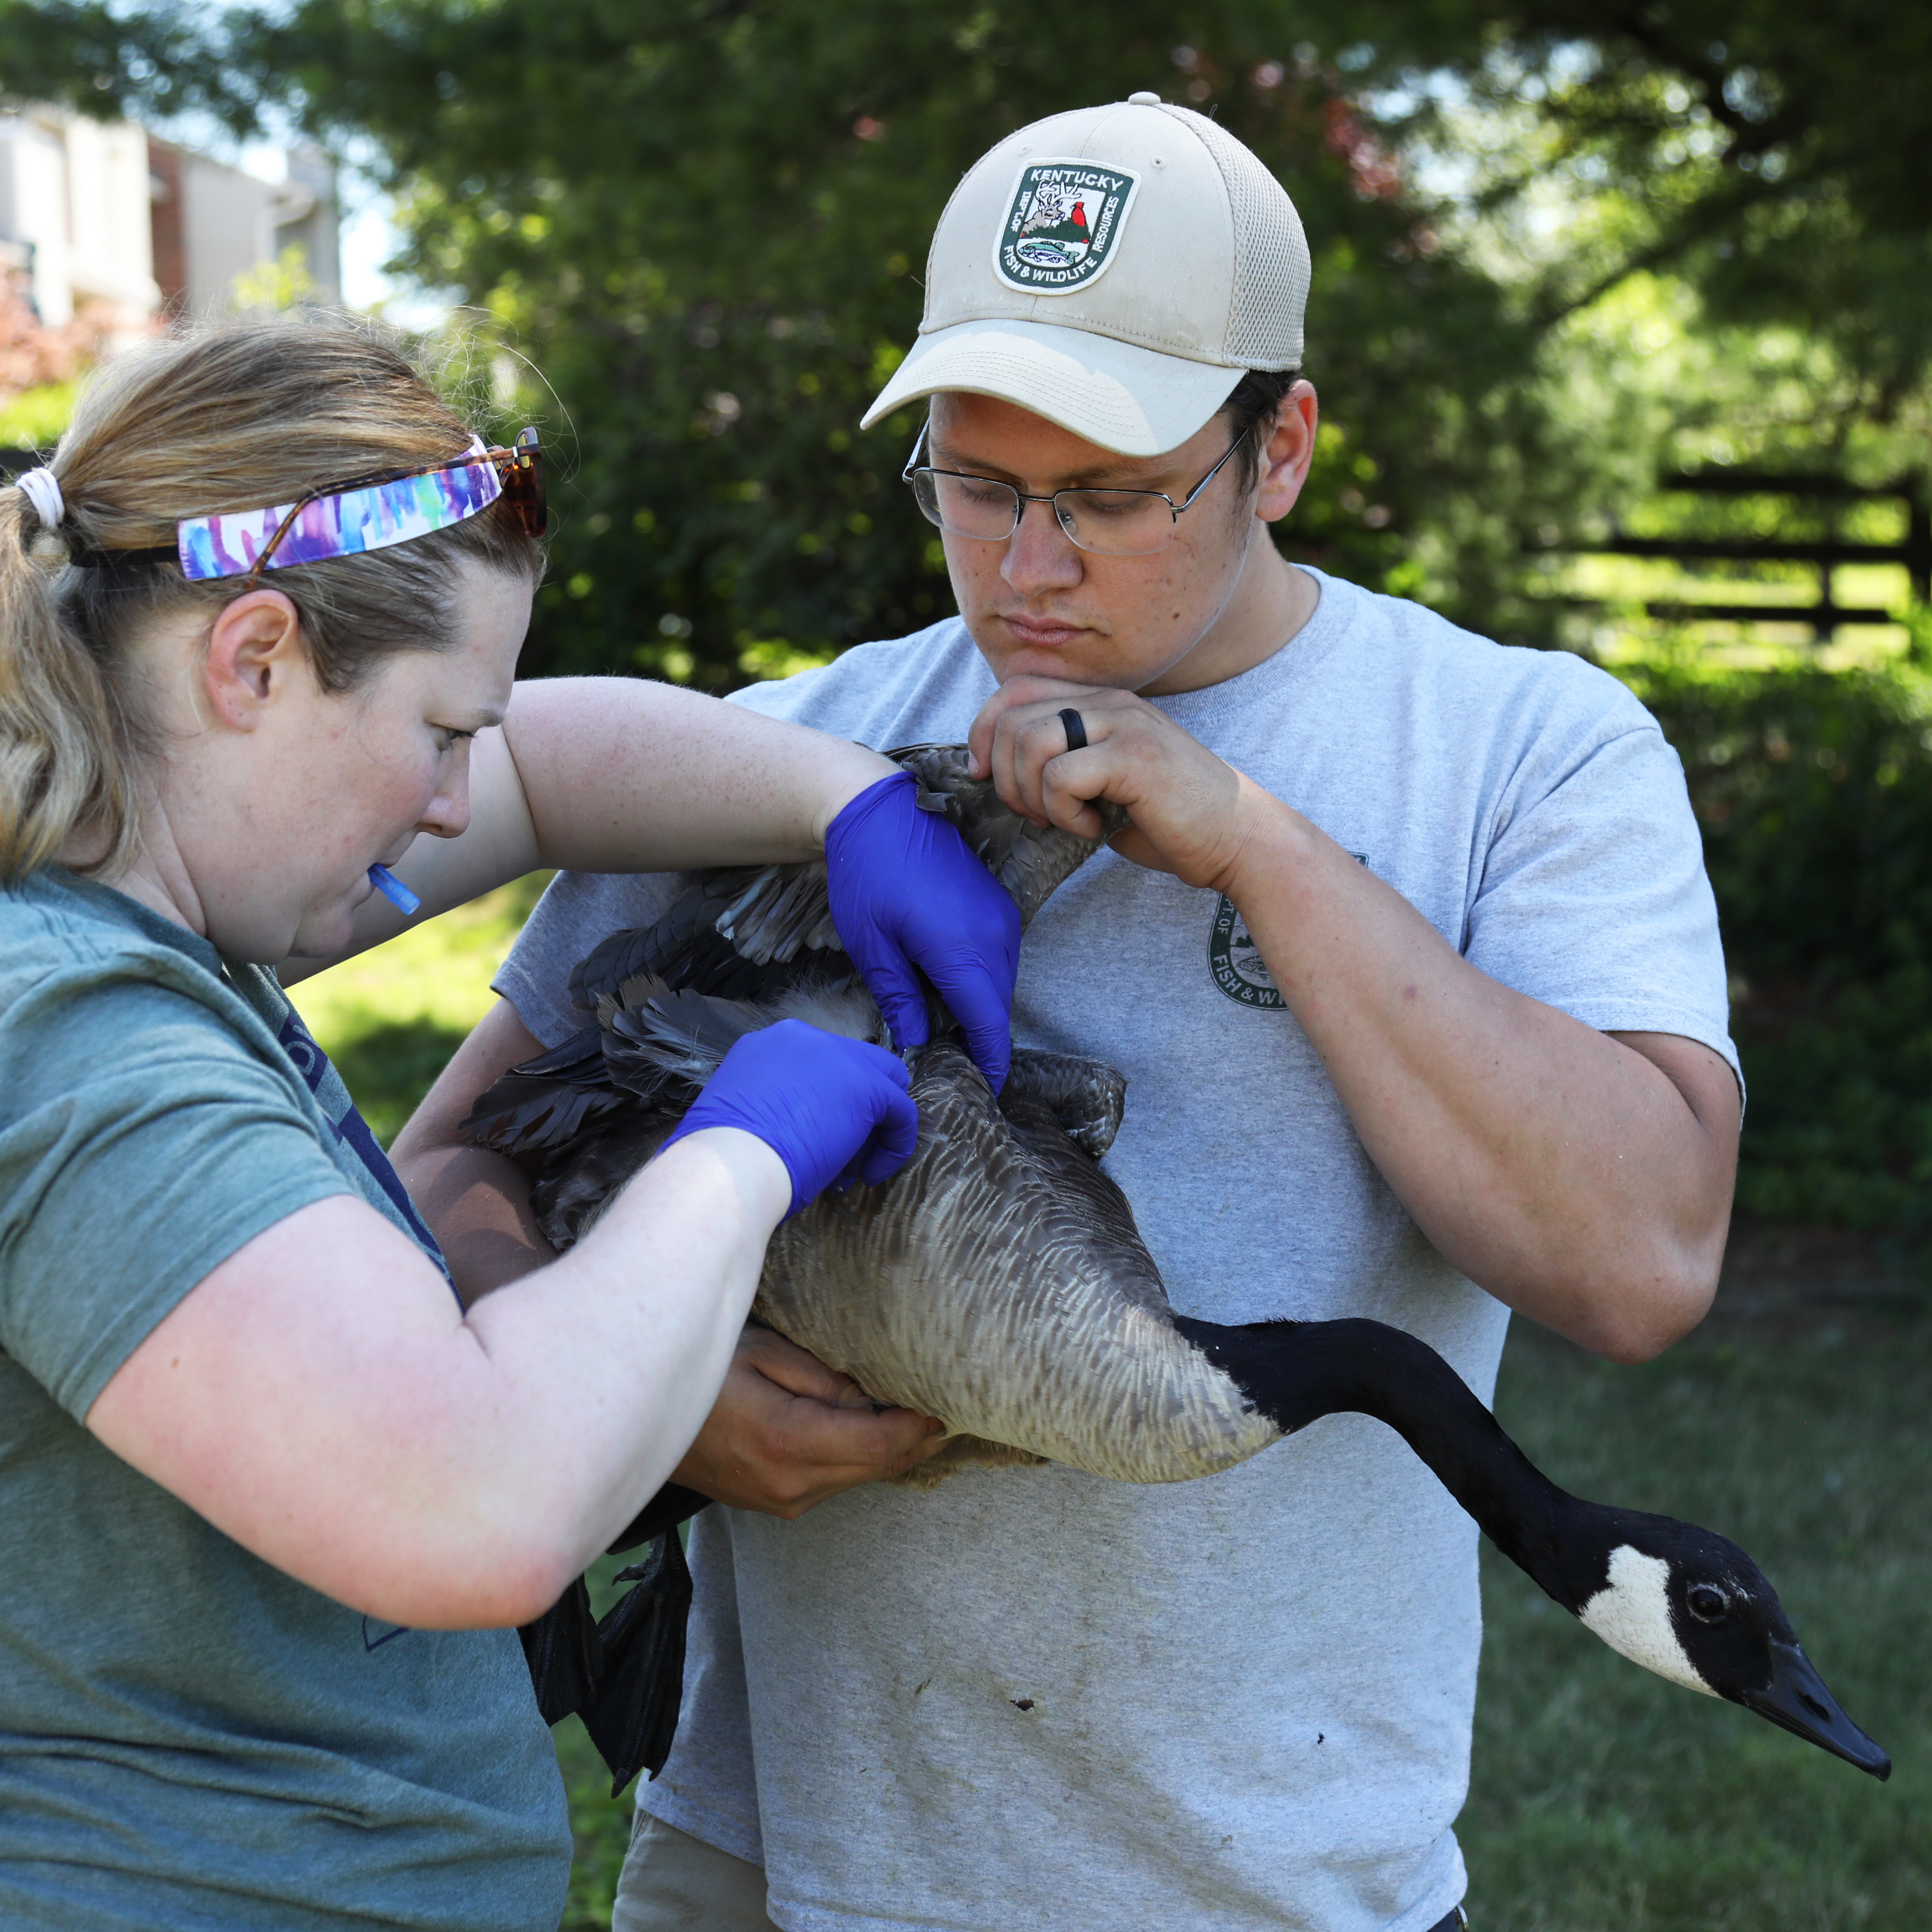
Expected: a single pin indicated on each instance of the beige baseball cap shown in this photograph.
(1117, 270)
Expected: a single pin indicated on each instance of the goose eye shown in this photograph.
(1707, 1603)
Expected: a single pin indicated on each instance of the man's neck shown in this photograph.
(1271, 602)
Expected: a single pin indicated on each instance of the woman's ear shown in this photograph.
(255, 653)
(1288, 451)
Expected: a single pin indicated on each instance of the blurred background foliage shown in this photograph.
(1560, 247)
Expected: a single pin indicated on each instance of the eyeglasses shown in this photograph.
(368, 513)
(1109, 523)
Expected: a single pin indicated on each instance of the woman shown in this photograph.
(273, 1501)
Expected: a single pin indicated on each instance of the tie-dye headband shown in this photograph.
(365, 517)
(369, 514)
(371, 517)
(358, 517)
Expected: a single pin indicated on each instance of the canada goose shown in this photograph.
(998, 1280)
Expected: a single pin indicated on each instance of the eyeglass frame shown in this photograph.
(914, 468)
(525, 456)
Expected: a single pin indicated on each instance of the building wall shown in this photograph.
(110, 244)
(305, 220)
(167, 232)
(228, 228)
(103, 212)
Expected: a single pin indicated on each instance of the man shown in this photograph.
(1411, 964)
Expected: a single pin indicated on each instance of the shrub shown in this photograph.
(1814, 789)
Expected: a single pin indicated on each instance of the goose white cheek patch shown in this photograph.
(1631, 1613)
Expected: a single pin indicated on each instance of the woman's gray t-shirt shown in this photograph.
(190, 1739)
(1035, 1698)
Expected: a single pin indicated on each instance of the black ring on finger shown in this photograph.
(1076, 731)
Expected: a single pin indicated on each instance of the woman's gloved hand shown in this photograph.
(834, 1110)
(907, 891)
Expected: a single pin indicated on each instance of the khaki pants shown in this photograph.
(673, 1883)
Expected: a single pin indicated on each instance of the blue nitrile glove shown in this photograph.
(907, 891)
(834, 1110)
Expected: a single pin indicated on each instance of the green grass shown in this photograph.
(1603, 1799)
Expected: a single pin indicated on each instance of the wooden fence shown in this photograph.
(1826, 553)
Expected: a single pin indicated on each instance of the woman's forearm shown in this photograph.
(623, 776)
(320, 1398)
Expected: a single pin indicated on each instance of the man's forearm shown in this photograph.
(477, 1205)
(1566, 1171)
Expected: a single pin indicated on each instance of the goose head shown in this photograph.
(1691, 1606)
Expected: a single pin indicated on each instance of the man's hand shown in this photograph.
(1193, 814)
(787, 1432)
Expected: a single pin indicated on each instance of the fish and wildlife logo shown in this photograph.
(1062, 225)
(1235, 962)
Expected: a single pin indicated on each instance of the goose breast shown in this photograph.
(999, 1282)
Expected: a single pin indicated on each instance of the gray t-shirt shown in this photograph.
(1036, 1698)
(190, 1739)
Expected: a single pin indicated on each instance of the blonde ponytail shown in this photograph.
(234, 418)
(66, 764)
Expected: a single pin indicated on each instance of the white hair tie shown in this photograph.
(43, 490)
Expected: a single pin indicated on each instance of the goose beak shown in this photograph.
(1796, 1698)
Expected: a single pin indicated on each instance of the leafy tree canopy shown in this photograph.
(705, 221)
(107, 60)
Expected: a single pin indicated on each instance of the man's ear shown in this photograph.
(254, 654)
(1288, 451)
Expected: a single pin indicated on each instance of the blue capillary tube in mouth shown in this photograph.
(393, 889)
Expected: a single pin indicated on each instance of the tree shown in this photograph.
(702, 221)
(703, 224)
(110, 60)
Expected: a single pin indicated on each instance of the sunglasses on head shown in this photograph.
(365, 513)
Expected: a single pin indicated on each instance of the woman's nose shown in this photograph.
(447, 815)
(1040, 555)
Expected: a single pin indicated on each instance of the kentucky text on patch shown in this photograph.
(1063, 222)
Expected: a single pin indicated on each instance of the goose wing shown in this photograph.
(761, 935)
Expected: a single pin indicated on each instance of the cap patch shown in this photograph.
(1063, 224)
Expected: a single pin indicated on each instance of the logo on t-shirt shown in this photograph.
(1063, 221)
(1235, 961)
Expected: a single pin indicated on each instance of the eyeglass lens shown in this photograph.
(524, 485)
(1112, 522)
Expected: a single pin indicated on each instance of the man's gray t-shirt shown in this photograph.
(1037, 1698)
(190, 1739)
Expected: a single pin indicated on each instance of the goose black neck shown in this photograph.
(1296, 1372)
